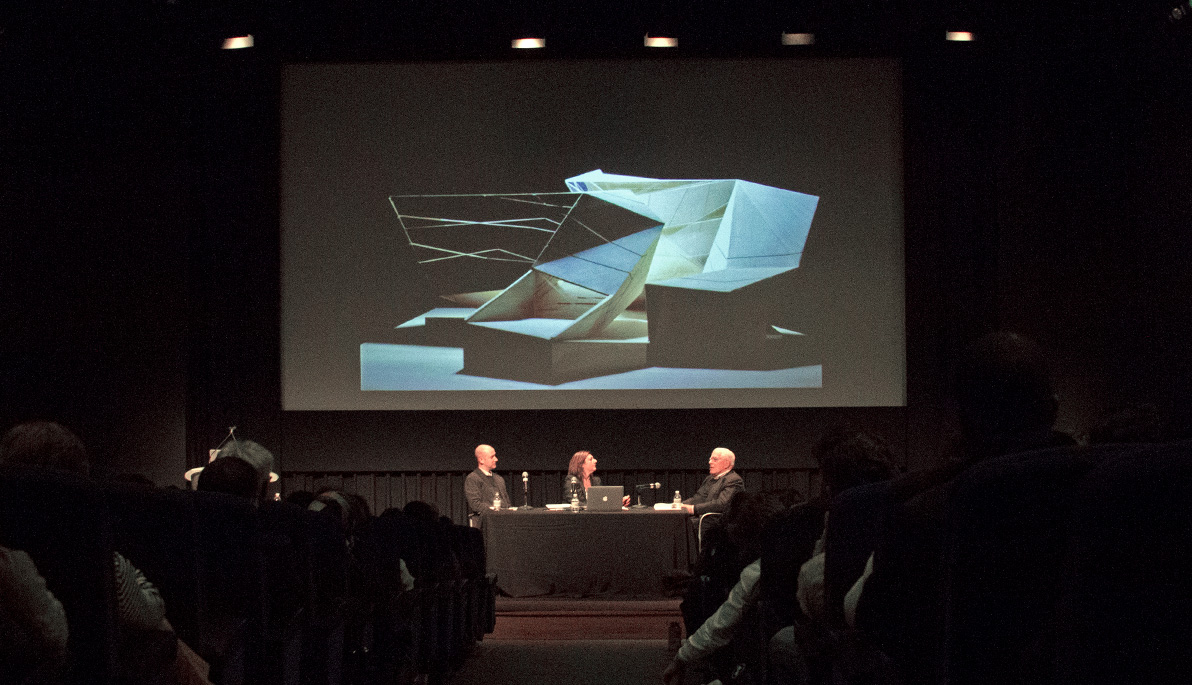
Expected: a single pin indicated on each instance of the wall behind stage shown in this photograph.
(1046, 192)
(543, 440)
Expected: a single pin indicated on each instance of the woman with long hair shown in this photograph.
(579, 476)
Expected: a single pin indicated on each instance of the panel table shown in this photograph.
(620, 554)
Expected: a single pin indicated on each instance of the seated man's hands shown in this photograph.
(689, 508)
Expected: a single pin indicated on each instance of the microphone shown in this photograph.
(644, 486)
(572, 492)
(526, 487)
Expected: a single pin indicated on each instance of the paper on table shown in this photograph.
(666, 506)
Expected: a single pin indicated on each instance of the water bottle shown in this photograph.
(677, 503)
(574, 500)
(496, 500)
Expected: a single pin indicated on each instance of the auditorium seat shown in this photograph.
(233, 610)
(788, 541)
(400, 635)
(60, 520)
(1127, 614)
(1004, 547)
(857, 521)
(312, 594)
(155, 530)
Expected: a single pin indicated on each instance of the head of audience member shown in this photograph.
(234, 479)
(233, 476)
(361, 510)
(849, 457)
(744, 518)
(721, 461)
(1004, 392)
(44, 443)
(335, 505)
(301, 498)
(1135, 423)
(423, 511)
(582, 465)
(486, 457)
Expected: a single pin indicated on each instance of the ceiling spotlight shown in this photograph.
(798, 38)
(529, 43)
(237, 42)
(660, 42)
(962, 36)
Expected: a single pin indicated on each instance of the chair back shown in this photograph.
(60, 520)
(154, 528)
(1127, 612)
(1005, 542)
(857, 521)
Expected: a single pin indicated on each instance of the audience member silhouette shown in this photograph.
(1005, 405)
(301, 498)
(233, 476)
(848, 458)
(44, 444)
(350, 512)
(744, 519)
(33, 630)
(140, 610)
(805, 648)
(422, 511)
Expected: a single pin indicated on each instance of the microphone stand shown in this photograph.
(526, 487)
(639, 504)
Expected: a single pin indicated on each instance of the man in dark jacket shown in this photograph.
(482, 484)
(719, 487)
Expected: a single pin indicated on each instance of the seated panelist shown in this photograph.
(482, 484)
(579, 476)
(719, 487)
(580, 471)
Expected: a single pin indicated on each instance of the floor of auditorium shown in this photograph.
(578, 642)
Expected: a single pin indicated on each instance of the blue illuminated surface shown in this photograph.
(414, 367)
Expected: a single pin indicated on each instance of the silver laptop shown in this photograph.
(605, 497)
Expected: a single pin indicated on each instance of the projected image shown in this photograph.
(618, 282)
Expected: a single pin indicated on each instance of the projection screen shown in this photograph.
(592, 234)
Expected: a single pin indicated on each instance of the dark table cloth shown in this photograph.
(623, 554)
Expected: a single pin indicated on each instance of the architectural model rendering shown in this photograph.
(619, 273)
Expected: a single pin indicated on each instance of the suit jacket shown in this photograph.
(714, 494)
(479, 489)
(580, 490)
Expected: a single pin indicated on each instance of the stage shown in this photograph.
(587, 619)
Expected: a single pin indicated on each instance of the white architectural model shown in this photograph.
(620, 273)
